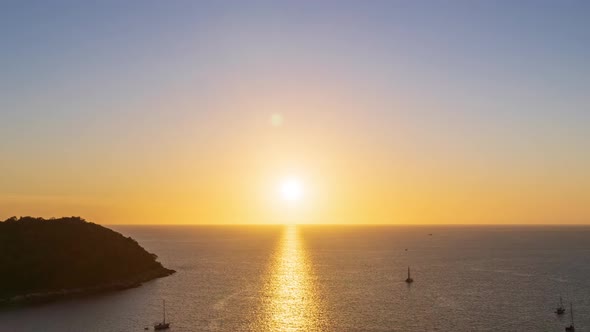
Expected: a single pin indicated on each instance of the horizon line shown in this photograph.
(346, 224)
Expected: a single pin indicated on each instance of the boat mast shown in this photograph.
(164, 304)
(408, 272)
(572, 312)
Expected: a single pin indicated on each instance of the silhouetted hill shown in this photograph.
(43, 259)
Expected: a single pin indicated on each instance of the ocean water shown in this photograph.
(341, 278)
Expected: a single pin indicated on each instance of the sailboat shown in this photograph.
(162, 325)
(571, 328)
(560, 310)
(409, 280)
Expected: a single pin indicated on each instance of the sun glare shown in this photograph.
(291, 189)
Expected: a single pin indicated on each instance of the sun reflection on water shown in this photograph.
(290, 299)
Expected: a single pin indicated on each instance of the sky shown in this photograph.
(401, 112)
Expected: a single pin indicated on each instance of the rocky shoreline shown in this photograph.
(55, 295)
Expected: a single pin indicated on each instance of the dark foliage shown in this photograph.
(39, 255)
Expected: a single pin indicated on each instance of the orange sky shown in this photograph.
(231, 173)
(391, 113)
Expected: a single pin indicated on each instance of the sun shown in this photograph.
(291, 189)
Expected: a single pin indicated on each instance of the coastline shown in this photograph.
(62, 294)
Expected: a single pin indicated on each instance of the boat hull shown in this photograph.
(162, 326)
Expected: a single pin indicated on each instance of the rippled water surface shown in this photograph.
(341, 278)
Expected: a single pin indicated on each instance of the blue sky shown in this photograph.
(495, 85)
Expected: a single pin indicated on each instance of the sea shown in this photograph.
(341, 278)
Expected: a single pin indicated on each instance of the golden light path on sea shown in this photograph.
(290, 301)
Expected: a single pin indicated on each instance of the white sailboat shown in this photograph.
(560, 310)
(571, 328)
(162, 325)
(409, 280)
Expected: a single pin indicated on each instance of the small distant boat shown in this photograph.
(409, 280)
(162, 325)
(571, 328)
(560, 310)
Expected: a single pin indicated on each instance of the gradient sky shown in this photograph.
(394, 111)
